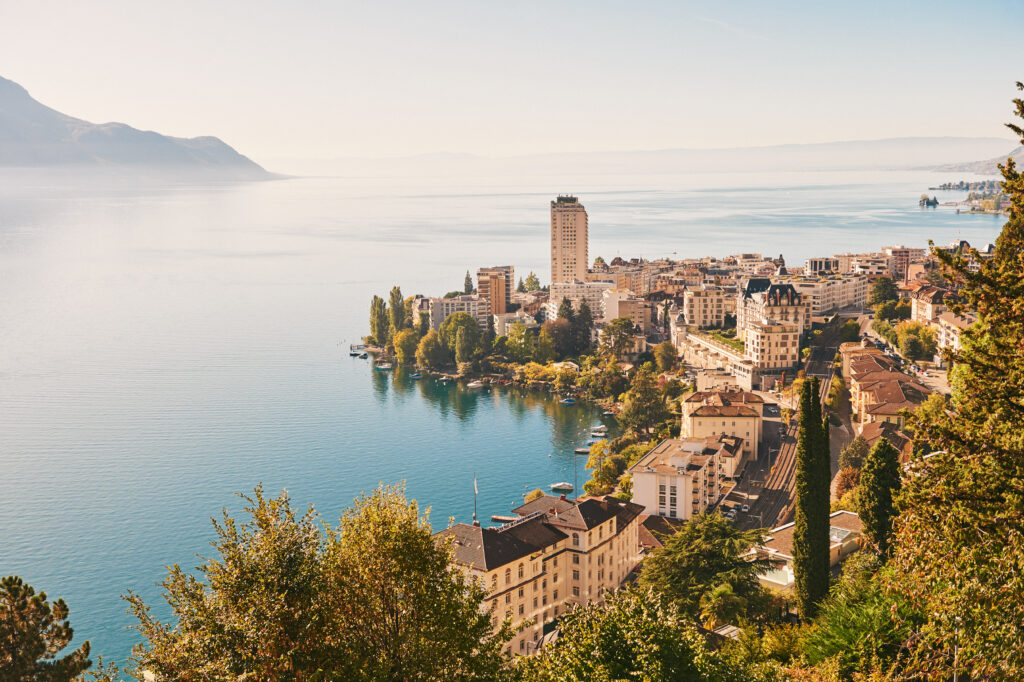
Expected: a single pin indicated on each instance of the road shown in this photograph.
(774, 505)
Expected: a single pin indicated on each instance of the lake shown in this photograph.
(163, 347)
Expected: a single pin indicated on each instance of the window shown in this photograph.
(575, 575)
(534, 602)
(522, 609)
(508, 576)
(554, 562)
(554, 597)
(521, 592)
(522, 644)
(520, 570)
(494, 582)
(508, 597)
(575, 558)
(575, 539)
(575, 591)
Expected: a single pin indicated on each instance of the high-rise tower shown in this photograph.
(568, 240)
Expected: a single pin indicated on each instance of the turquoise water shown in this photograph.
(162, 348)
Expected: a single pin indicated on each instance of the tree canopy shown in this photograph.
(33, 632)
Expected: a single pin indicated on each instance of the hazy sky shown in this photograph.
(323, 79)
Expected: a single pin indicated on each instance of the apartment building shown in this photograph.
(569, 235)
(901, 257)
(733, 413)
(616, 303)
(845, 531)
(949, 327)
(878, 391)
(680, 478)
(928, 303)
(826, 295)
(558, 554)
(772, 346)
(761, 300)
(821, 266)
(577, 292)
(441, 308)
(494, 286)
(707, 307)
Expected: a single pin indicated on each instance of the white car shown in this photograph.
(730, 514)
(745, 509)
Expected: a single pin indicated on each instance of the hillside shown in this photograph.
(988, 166)
(32, 134)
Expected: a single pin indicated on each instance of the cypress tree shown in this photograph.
(379, 322)
(396, 311)
(879, 482)
(811, 525)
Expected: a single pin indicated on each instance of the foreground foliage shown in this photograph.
(33, 632)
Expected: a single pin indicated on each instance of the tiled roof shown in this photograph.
(488, 548)
(724, 397)
(653, 527)
(724, 411)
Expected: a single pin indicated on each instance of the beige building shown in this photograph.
(845, 531)
(900, 259)
(441, 308)
(569, 256)
(949, 326)
(772, 346)
(494, 286)
(927, 304)
(558, 554)
(577, 292)
(707, 307)
(618, 303)
(761, 300)
(826, 295)
(732, 413)
(680, 478)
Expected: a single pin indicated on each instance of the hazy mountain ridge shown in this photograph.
(33, 134)
(988, 166)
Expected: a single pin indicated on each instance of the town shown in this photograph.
(732, 340)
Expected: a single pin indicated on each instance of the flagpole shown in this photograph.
(475, 493)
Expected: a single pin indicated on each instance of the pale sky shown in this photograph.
(326, 79)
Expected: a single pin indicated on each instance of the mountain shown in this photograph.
(988, 166)
(909, 153)
(32, 134)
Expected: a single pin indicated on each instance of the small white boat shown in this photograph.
(383, 366)
(582, 451)
(608, 413)
(475, 384)
(562, 487)
(600, 435)
(567, 401)
(598, 427)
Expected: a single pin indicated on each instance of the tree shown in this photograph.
(545, 350)
(884, 289)
(379, 322)
(423, 325)
(456, 322)
(811, 525)
(463, 346)
(431, 353)
(534, 494)
(560, 333)
(644, 405)
(582, 326)
(879, 483)
(396, 310)
(705, 553)
(406, 342)
(289, 598)
(521, 287)
(849, 331)
(617, 336)
(566, 311)
(854, 454)
(634, 635)
(32, 634)
(599, 261)
(847, 479)
(467, 284)
(911, 347)
(665, 355)
(957, 549)
(519, 343)
(532, 282)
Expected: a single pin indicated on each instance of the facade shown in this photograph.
(949, 326)
(569, 234)
(680, 478)
(577, 292)
(441, 308)
(761, 300)
(845, 531)
(616, 303)
(707, 307)
(558, 554)
(878, 391)
(826, 295)
(732, 413)
(821, 266)
(901, 257)
(494, 286)
(927, 304)
(773, 346)
(504, 321)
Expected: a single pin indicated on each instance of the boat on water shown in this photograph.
(562, 487)
(598, 427)
(354, 353)
(608, 413)
(415, 375)
(475, 384)
(582, 451)
(500, 518)
(383, 366)
(567, 401)
(600, 435)
(363, 356)
(591, 442)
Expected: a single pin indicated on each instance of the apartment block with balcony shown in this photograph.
(494, 286)
(569, 239)
(680, 478)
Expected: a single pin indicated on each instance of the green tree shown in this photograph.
(396, 312)
(811, 525)
(467, 284)
(379, 322)
(599, 261)
(431, 353)
(455, 323)
(519, 343)
(849, 331)
(879, 483)
(617, 336)
(854, 454)
(423, 325)
(911, 347)
(884, 289)
(463, 346)
(545, 350)
(566, 311)
(33, 633)
(521, 287)
(289, 598)
(532, 282)
(560, 333)
(406, 342)
(665, 355)
(582, 326)
(534, 494)
(644, 405)
(634, 635)
(705, 553)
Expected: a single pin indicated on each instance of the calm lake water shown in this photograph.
(163, 347)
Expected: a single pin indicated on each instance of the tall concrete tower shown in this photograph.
(568, 240)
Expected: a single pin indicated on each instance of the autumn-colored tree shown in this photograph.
(405, 342)
(33, 632)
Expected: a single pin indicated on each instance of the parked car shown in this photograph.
(730, 514)
(745, 508)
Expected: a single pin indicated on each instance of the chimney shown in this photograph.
(562, 496)
(476, 523)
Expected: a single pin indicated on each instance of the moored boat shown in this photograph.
(475, 384)
(415, 375)
(383, 365)
(500, 518)
(562, 487)
(567, 401)
(582, 451)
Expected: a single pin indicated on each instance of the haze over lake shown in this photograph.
(165, 346)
